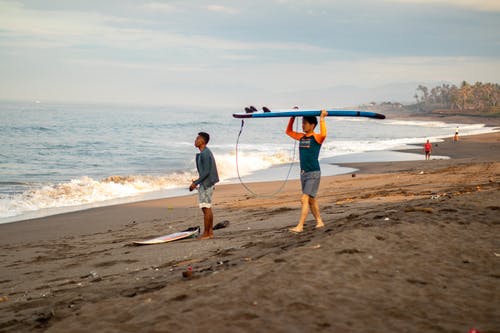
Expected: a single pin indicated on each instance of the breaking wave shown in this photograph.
(86, 190)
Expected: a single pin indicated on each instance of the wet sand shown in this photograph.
(407, 247)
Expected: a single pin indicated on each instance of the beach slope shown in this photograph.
(407, 247)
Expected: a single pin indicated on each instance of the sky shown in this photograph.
(233, 53)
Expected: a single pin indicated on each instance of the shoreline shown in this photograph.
(408, 246)
(467, 154)
(40, 214)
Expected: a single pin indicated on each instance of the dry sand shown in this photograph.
(407, 247)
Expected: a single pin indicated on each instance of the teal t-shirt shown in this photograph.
(309, 152)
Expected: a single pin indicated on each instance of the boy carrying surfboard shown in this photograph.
(310, 172)
(208, 177)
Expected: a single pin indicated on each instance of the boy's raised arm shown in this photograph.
(290, 132)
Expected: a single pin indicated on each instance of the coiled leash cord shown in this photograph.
(287, 175)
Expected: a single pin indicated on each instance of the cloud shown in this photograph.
(106, 53)
(335, 82)
(222, 9)
(135, 65)
(58, 28)
(480, 5)
(157, 7)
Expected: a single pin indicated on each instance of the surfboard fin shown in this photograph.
(253, 108)
(265, 109)
(248, 110)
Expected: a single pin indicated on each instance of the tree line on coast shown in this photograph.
(467, 98)
(473, 99)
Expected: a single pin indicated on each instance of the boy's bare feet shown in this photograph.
(296, 229)
(203, 237)
(320, 225)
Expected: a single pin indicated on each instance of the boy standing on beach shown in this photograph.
(208, 177)
(310, 173)
(427, 150)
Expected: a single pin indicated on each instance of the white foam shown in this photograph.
(85, 190)
(249, 162)
(335, 148)
(422, 123)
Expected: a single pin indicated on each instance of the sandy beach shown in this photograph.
(408, 247)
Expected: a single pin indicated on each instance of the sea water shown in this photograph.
(63, 157)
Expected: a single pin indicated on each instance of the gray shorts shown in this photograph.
(205, 196)
(310, 182)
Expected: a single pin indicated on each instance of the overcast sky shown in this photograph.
(235, 53)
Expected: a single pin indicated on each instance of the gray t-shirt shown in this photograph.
(207, 169)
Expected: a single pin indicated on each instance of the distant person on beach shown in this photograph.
(208, 177)
(427, 150)
(310, 173)
(455, 138)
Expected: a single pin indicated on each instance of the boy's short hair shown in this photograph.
(311, 120)
(205, 136)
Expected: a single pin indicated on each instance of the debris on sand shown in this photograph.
(188, 273)
(221, 225)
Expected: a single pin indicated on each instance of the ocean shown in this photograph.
(56, 158)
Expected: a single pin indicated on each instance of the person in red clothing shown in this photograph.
(455, 137)
(310, 173)
(428, 150)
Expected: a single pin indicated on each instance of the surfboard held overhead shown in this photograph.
(252, 112)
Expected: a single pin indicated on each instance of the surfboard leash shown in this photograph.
(238, 169)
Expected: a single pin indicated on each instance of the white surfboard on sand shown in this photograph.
(191, 232)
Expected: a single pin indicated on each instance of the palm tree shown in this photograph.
(465, 92)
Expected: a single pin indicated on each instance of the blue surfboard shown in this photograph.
(301, 113)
